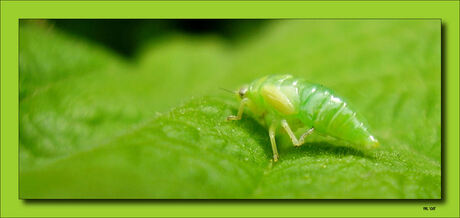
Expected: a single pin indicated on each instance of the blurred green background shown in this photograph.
(132, 108)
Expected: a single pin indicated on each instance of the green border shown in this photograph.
(12, 11)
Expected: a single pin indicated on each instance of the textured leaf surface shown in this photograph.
(93, 125)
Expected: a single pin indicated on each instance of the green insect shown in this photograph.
(282, 100)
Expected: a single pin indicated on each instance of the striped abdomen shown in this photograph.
(320, 108)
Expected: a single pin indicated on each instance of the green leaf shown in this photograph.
(93, 125)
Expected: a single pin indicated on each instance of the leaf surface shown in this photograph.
(93, 125)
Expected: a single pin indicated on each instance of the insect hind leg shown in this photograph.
(296, 142)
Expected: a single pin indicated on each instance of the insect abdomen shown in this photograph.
(329, 114)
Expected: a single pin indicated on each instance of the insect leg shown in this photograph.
(296, 142)
(240, 111)
(272, 132)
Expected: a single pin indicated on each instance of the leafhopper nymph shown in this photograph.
(285, 101)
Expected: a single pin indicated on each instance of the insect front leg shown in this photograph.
(272, 132)
(296, 142)
(243, 102)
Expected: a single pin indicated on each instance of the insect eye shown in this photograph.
(243, 91)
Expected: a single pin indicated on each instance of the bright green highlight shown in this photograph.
(219, 107)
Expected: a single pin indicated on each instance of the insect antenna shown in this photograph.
(227, 90)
